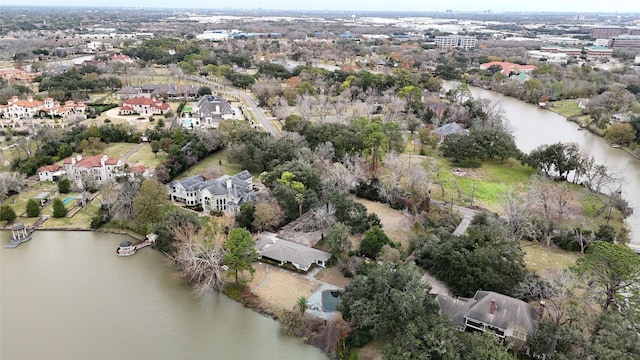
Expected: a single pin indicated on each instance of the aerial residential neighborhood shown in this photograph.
(439, 182)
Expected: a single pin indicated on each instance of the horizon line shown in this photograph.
(486, 12)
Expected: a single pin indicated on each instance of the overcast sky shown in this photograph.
(577, 6)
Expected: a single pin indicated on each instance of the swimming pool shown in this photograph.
(67, 200)
(330, 300)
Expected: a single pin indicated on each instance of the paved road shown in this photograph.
(248, 100)
(467, 216)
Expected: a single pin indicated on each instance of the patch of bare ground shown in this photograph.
(437, 286)
(333, 276)
(371, 351)
(279, 289)
(394, 222)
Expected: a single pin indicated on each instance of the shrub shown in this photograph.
(7, 214)
(59, 210)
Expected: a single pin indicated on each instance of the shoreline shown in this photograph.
(624, 148)
(246, 298)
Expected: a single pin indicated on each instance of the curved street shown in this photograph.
(258, 115)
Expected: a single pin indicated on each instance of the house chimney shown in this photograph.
(229, 184)
(79, 157)
(541, 309)
(30, 98)
(492, 309)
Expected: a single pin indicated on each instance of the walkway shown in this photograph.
(266, 277)
(131, 151)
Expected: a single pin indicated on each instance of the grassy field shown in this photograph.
(394, 223)
(116, 150)
(491, 180)
(146, 157)
(547, 261)
(567, 108)
(218, 159)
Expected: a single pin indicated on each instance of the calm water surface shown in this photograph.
(533, 127)
(66, 295)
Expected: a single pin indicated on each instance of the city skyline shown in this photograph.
(574, 6)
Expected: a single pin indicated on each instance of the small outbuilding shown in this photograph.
(43, 197)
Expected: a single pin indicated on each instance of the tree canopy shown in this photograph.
(613, 269)
(240, 252)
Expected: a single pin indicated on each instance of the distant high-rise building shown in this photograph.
(605, 32)
(456, 41)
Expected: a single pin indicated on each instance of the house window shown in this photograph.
(221, 204)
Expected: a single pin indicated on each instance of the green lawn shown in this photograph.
(82, 219)
(567, 108)
(116, 150)
(21, 199)
(547, 261)
(491, 180)
(219, 159)
(146, 157)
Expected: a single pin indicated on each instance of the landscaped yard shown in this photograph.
(21, 199)
(82, 219)
(116, 150)
(217, 159)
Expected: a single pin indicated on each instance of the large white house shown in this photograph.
(30, 108)
(50, 172)
(209, 112)
(143, 106)
(225, 193)
(97, 168)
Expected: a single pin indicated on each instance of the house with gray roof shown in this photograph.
(225, 193)
(509, 318)
(210, 111)
(450, 129)
(269, 245)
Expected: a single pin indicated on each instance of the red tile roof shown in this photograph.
(92, 161)
(50, 168)
(140, 101)
(507, 67)
(138, 169)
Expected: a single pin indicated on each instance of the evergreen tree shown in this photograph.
(59, 210)
(7, 214)
(33, 208)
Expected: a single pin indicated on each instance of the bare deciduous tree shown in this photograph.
(345, 175)
(199, 258)
(11, 182)
(305, 105)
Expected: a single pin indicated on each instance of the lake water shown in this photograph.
(66, 295)
(533, 127)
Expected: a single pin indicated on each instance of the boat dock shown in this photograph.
(19, 234)
(127, 248)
